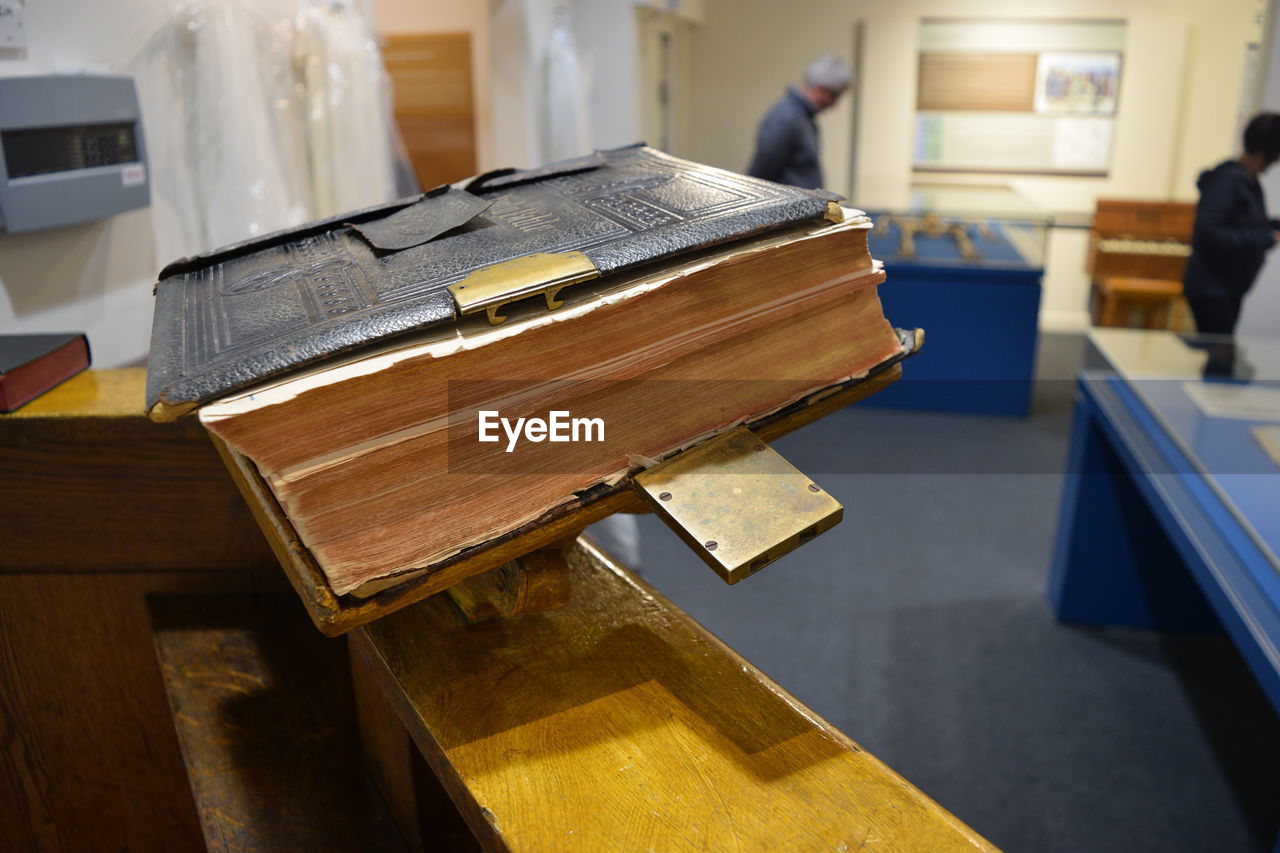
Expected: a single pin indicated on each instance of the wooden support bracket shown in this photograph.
(537, 581)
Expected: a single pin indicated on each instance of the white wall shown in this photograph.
(95, 277)
(745, 53)
(1184, 63)
(1261, 314)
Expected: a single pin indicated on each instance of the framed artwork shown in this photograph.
(1077, 83)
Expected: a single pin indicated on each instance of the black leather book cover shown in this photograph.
(234, 317)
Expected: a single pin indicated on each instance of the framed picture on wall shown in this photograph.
(1077, 83)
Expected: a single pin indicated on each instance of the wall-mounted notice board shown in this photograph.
(1017, 96)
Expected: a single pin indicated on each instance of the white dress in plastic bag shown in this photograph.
(284, 116)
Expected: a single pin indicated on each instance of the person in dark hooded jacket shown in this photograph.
(1232, 232)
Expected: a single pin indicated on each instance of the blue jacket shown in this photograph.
(787, 144)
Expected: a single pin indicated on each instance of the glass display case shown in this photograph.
(972, 281)
(966, 240)
(1218, 399)
(1168, 518)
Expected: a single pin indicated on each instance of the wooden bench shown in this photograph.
(1148, 303)
(616, 723)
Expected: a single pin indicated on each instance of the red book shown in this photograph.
(32, 364)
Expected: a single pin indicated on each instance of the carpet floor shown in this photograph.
(920, 627)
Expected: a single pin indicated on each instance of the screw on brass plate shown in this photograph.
(814, 488)
(711, 544)
(665, 496)
(759, 447)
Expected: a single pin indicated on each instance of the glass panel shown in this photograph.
(43, 150)
(1218, 398)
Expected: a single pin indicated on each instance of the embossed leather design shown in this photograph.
(231, 318)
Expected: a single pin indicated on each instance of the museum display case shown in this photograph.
(973, 280)
(1182, 533)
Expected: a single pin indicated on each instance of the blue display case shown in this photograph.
(973, 284)
(1169, 514)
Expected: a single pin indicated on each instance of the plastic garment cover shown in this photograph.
(241, 140)
(283, 115)
(567, 131)
(348, 110)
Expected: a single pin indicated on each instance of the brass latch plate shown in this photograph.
(490, 288)
(737, 503)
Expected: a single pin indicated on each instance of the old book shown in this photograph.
(644, 303)
(32, 364)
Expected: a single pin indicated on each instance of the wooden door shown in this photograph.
(433, 103)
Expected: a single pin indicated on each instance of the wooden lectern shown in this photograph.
(159, 694)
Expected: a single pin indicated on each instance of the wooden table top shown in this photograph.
(92, 393)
